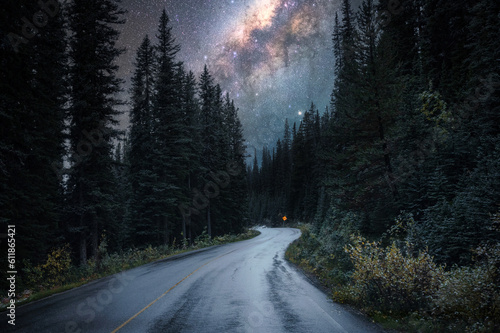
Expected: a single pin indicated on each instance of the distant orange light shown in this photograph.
(284, 218)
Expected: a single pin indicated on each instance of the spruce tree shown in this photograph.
(235, 172)
(192, 152)
(91, 185)
(142, 176)
(211, 127)
(169, 131)
(287, 162)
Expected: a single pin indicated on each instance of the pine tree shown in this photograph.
(192, 153)
(444, 41)
(347, 30)
(403, 22)
(255, 173)
(364, 104)
(337, 44)
(478, 111)
(297, 175)
(118, 236)
(169, 131)
(211, 125)
(237, 192)
(142, 175)
(94, 84)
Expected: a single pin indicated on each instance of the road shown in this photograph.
(241, 287)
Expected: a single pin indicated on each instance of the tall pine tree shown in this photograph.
(91, 185)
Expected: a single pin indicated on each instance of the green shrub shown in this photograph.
(32, 276)
(203, 240)
(472, 294)
(52, 273)
(399, 285)
(392, 280)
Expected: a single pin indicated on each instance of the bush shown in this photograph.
(50, 274)
(392, 280)
(203, 240)
(398, 282)
(57, 266)
(32, 276)
(472, 294)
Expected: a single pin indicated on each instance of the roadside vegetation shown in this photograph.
(400, 287)
(58, 273)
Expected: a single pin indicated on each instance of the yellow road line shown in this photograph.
(166, 292)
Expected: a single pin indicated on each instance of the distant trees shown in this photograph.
(288, 180)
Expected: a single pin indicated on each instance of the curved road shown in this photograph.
(240, 287)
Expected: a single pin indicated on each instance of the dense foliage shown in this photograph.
(411, 135)
(413, 127)
(69, 176)
(185, 152)
(402, 287)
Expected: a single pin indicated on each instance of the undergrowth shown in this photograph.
(401, 287)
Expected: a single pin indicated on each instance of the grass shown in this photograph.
(114, 263)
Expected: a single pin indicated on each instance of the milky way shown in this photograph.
(274, 57)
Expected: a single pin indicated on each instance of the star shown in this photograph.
(270, 53)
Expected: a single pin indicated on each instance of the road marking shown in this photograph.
(166, 292)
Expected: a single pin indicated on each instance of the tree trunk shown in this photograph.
(83, 237)
(184, 235)
(83, 249)
(189, 228)
(387, 158)
(166, 234)
(209, 222)
(94, 238)
(184, 218)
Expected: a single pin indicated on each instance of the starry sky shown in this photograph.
(274, 57)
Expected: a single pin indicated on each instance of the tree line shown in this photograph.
(413, 129)
(68, 175)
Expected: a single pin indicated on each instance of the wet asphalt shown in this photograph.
(241, 287)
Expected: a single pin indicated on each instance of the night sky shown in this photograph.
(273, 56)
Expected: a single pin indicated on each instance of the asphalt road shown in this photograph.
(240, 287)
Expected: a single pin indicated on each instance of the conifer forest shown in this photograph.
(400, 168)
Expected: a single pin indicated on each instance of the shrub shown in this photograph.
(32, 275)
(50, 274)
(472, 294)
(391, 280)
(398, 281)
(203, 240)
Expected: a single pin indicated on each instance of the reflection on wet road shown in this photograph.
(241, 287)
